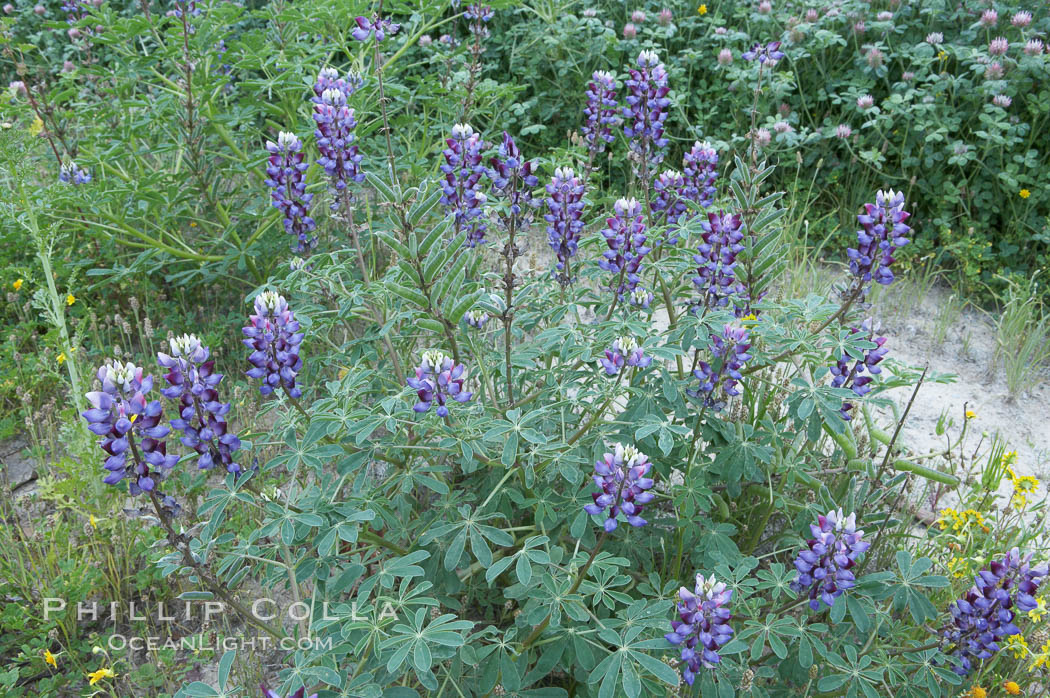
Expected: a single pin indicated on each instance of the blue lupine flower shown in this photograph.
(513, 181)
(763, 53)
(704, 625)
(985, 616)
(852, 377)
(626, 236)
(337, 152)
(133, 436)
(600, 113)
(641, 298)
(374, 27)
(719, 383)
(477, 318)
(621, 477)
(273, 336)
(70, 172)
(438, 379)
(286, 168)
(700, 170)
(824, 565)
(667, 201)
(646, 111)
(565, 215)
(328, 79)
(624, 351)
(883, 230)
(462, 195)
(715, 276)
(192, 381)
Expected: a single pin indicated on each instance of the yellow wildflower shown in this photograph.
(959, 567)
(93, 521)
(1024, 193)
(1012, 688)
(36, 127)
(1026, 484)
(702, 9)
(1037, 613)
(976, 692)
(50, 659)
(970, 414)
(1017, 645)
(70, 299)
(1041, 659)
(61, 358)
(943, 55)
(103, 673)
(18, 284)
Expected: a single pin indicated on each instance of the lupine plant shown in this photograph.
(444, 494)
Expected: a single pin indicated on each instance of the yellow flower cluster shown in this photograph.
(1012, 688)
(1042, 659)
(975, 692)
(959, 567)
(1017, 645)
(1024, 485)
(1037, 613)
(960, 521)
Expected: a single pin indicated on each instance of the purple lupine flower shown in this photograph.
(646, 111)
(600, 113)
(717, 384)
(192, 381)
(625, 235)
(824, 565)
(379, 28)
(462, 195)
(267, 693)
(69, 172)
(985, 616)
(853, 377)
(667, 200)
(565, 217)
(513, 181)
(337, 152)
(328, 79)
(764, 52)
(477, 16)
(883, 230)
(703, 627)
(285, 171)
(438, 379)
(716, 262)
(620, 490)
(477, 318)
(700, 169)
(273, 336)
(624, 351)
(640, 298)
(133, 436)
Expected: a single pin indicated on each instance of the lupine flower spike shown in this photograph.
(700, 169)
(715, 264)
(438, 380)
(764, 53)
(477, 318)
(667, 201)
(285, 175)
(192, 382)
(274, 338)
(622, 478)
(600, 113)
(641, 298)
(824, 565)
(337, 152)
(626, 236)
(565, 218)
(624, 351)
(717, 384)
(513, 182)
(882, 231)
(70, 173)
(133, 436)
(462, 195)
(646, 111)
(703, 627)
(853, 377)
(985, 616)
